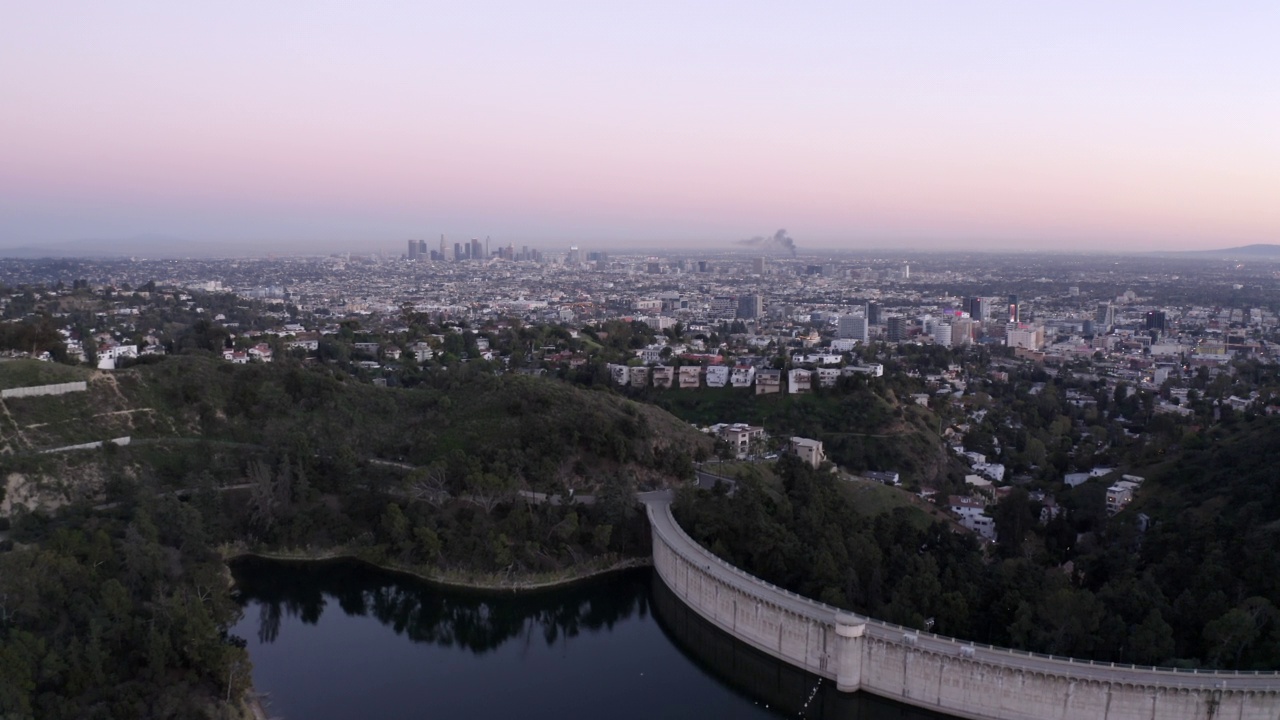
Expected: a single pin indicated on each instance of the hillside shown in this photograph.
(1188, 575)
(860, 428)
(546, 436)
(121, 548)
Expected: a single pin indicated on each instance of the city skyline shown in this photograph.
(922, 126)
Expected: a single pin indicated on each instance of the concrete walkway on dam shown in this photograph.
(1127, 691)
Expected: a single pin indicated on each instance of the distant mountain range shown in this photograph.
(1244, 252)
(144, 245)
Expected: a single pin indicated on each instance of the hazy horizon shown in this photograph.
(295, 127)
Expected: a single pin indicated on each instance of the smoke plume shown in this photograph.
(778, 241)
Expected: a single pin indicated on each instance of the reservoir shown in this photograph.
(343, 640)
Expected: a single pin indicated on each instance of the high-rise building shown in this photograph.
(1105, 318)
(897, 329)
(873, 313)
(750, 307)
(852, 327)
(442, 255)
(962, 331)
(413, 250)
(942, 334)
(476, 250)
(1015, 312)
(1155, 320)
(459, 253)
(976, 308)
(757, 266)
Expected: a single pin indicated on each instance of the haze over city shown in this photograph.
(295, 127)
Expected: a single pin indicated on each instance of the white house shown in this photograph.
(973, 515)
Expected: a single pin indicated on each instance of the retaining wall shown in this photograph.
(940, 673)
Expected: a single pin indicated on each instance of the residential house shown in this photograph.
(639, 377)
(972, 513)
(620, 374)
(809, 451)
(742, 376)
(690, 377)
(800, 381)
(740, 436)
(663, 376)
(768, 382)
(717, 376)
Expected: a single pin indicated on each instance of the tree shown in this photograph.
(1014, 519)
(488, 490)
(430, 484)
(395, 527)
(1152, 641)
(1227, 637)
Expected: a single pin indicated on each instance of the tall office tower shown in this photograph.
(906, 271)
(975, 307)
(441, 246)
(942, 334)
(750, 307)
(423, 252)
(852, 327)
(487, 254)
(1155, 320)
(897, 330)
(476, 249)
(413, 249)
(757, 266)
(457, 252)
(1014, 310)
(1105, 318)
(873, 314)
(703, 266)
(961, 331)
(575, 255)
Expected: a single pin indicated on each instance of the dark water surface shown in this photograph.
(343, 640)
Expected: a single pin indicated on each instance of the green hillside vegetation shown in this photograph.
(120, 615)
(26, 372)
(1199, 588)
(862, 427)
(895, 565)
(291, 460)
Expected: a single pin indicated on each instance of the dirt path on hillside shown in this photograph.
(17, 429)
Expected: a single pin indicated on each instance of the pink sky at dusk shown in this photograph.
(1046, 125)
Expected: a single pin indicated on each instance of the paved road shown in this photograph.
(659, 510)
(707, 481)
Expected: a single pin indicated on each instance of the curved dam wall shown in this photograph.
(935, 672)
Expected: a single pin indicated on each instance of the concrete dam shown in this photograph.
(934, 672)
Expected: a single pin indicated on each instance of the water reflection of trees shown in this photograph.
(477, 622)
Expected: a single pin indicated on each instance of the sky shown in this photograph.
(356, 125)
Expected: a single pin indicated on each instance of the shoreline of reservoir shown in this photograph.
(478, 582)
